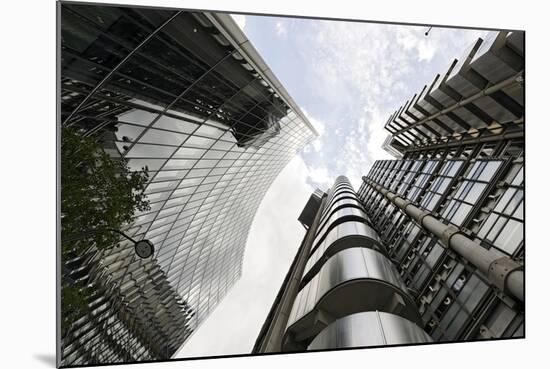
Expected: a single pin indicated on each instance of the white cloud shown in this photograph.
(369, 70)
(280, 29)
(240, 19)
(319, 126)
(317, 145)
(320, 177)
(273, 241)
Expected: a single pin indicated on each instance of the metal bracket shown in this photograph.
(449, 232)
(323, 318)
(421, 220)
(499, 270)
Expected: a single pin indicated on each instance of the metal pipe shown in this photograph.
(503, 272)
(518, 78)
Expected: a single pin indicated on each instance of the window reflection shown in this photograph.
(503, 227)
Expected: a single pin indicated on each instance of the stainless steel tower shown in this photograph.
(346, 279)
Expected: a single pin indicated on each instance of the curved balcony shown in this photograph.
(341, 192)
(346, 235)
(335, 202)
(346, 227)
(337, 217)
(340, 203)
(342, 185)
(371, 328)
(351, 281)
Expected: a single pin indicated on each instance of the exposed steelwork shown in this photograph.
(344, 270)
(444, 222)
(504, 273)
(484, 88)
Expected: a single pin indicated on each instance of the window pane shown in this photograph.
(150, 151)
(516, 199)
(475, 193)
(510, 237)
(496, 228)
(503, 201)
(490, 169)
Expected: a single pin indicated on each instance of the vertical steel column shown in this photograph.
(503, 272)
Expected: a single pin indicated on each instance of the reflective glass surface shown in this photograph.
(166, 92)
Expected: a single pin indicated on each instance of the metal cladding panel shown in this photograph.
(360, 235)
(352, 272)
(516, 41)
(447, 97)
(338, 215)
(462, 78)
(310, 210)
(351, 227)
(371, 328)
(494, 60)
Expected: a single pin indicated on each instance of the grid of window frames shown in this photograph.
(455, 301)
(479, 188)
(470, 190)
(503, 227)
(440, 185)
(210, 131)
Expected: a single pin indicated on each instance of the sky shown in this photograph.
(347, 78)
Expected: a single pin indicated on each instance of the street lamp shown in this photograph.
(428, 31)
(143, 248)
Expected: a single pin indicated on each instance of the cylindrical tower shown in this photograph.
(350, 293)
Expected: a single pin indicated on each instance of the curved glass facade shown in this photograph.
(181, 95)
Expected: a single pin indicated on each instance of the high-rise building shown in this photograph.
(186, 96)
(431, 246)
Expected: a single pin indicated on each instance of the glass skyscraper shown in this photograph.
(186, 96)
(430, 248)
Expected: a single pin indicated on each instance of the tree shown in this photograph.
(97, 192)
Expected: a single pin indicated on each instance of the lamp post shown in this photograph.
(143, 248)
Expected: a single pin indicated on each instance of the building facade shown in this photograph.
(431, 247)
(185, 96)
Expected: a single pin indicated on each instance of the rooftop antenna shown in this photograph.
(428, 31)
